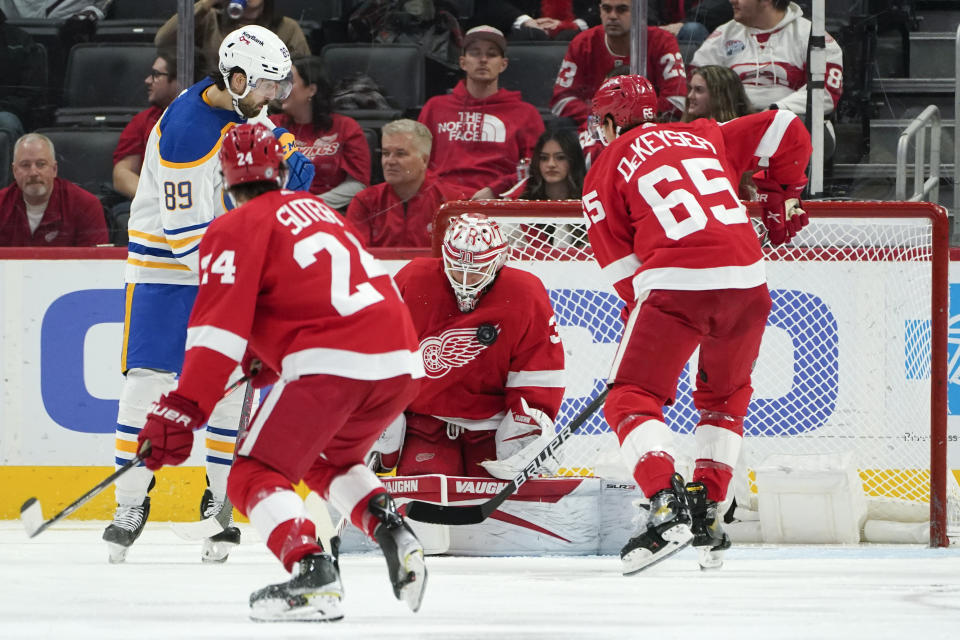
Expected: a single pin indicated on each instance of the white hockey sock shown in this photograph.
(141, 387)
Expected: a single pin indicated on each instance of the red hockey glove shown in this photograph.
(170, 426)
(782, 215)
(260, 374)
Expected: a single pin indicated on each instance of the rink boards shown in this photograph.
(60, 345)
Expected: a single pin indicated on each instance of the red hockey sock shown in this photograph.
(292, 540)
(653, 472)
(715, 476)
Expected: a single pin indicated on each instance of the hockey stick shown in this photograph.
(31, 513)
(208, 527)
(476, 513)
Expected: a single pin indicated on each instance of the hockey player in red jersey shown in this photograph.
(668, 230)
(287, 291)
(489, 343)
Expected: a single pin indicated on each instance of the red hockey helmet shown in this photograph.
(250, 153)
(627, 99)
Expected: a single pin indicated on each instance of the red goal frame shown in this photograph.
(939, 312)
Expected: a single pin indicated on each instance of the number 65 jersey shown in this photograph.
(285, 276)
(662, 209)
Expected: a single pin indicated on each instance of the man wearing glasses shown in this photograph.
(179, 193)
(162, 88)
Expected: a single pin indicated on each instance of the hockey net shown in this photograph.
(846, 360)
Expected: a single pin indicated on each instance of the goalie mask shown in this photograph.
(262, 57)
(474, 250)
(629, 100)
(250, 153)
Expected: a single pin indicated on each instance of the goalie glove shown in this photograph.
(782, 215)
(514, 452)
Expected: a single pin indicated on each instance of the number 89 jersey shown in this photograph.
(662, 207)
(285, 276)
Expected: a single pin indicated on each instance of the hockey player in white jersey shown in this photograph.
(179, 194)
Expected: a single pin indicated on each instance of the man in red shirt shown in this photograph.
(668, 230)
(162, 88)
(287, 291)
(399, 211)
(594, 53)
(480, 131)
(41, 210)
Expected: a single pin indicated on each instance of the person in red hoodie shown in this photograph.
(399, 211)
(41, 210)
(480, 131)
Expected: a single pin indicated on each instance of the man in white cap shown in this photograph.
(480, 131)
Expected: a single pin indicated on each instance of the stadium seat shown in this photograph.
(398, 70)
(85, 156)
(105, 82)
(134, 20)
(373, 141)
(6, 159)
(532, 70)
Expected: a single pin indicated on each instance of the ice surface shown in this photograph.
(59, 586)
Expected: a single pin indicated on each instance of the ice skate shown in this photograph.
(402, 550)
(662, 532)
(127, 525)
(709, 538)
(312, 594)
(217, 548)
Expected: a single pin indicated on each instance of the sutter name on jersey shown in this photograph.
(297, 215)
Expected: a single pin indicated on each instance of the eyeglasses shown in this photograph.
(156, 74)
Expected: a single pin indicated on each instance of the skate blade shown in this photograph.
(412, 590)
(318, 607)
(216, 552)
(709, 558)
(638, 560)
(117, 553)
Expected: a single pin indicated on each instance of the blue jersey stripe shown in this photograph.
(149, 251)
(173, 232)
(227, 433)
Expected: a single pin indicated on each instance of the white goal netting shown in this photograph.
(845, 363)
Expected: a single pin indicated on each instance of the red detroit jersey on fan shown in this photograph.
(589, 60)
(329, 324)
(478, 142)
(339, 152)
(467, 382)
(665, 239)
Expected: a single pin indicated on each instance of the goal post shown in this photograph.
(853, 361)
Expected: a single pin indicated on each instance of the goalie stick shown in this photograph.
(31, 513)
(476, 513)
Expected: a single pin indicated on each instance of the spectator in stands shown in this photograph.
(715, 92)
(334, 143)
(42, 210)
(556, 170)
(399, 212)
(211, 24)
(533, 19)
(598, 50)
(162, 88)
(19, 91)
(480, 131)
(766, 45)
(56, 9)
(672, 17)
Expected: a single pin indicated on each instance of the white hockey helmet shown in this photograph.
(263, 58)
(474, 250)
